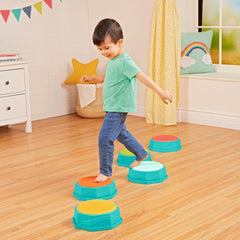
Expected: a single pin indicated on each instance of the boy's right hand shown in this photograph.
(92, 79)
(85, 79)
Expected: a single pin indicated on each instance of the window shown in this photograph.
(223, 17)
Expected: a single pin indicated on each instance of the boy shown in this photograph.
(119, 95)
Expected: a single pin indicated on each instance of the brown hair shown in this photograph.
(107, 27)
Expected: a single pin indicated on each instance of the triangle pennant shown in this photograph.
(5, 14)
(17, 13)
(49, 3)
(38, 6)
(28, 10)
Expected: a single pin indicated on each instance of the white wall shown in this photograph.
(49, 41)
(210, 99)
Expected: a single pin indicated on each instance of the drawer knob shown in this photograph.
(7, 83)
(8, 108)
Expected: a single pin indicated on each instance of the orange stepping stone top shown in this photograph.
(89, 182)
(165, 138)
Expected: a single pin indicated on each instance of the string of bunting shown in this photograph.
(27, 10)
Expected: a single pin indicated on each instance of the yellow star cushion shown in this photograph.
(81, 69)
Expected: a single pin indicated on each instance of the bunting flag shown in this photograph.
(5, 14)
(49, 3)
(27, 10)
(17, 13)
(38, 6)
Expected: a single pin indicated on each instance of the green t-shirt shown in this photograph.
(120, 85)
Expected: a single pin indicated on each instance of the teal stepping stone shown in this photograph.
(165, 143)
(126, 158)
(147, 172)
(97, 215)
(86, 189)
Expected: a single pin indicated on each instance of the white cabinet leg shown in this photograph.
(28, 127)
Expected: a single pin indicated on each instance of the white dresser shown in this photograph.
(14, 94)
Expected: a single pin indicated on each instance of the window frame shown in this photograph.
(220, 28)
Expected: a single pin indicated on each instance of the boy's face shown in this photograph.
(109, 49)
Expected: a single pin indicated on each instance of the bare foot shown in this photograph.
(136, 162)
(101, 178)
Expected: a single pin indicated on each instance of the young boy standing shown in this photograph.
(119, 95)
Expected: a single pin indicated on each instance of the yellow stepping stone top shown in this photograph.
(96, 207)
(126, 152)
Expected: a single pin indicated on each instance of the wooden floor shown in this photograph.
(199, 201)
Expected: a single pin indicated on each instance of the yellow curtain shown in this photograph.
(164, 66)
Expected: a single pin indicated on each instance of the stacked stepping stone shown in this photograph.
(96, 213)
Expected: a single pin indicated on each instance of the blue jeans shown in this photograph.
(114, 128)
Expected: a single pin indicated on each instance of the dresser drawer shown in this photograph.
(12, 107)
(12, 81)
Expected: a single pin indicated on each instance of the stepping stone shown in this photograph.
(165, 143)
(86, 189)
(126, 158)
(147, 172)
(97, 215)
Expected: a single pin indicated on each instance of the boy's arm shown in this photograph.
(92, 79)
(164, 95)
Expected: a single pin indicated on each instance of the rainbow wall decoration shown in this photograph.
(194, 46)
(27, 10)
